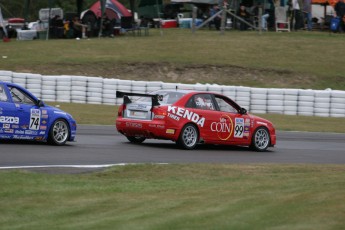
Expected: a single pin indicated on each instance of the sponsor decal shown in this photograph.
(23, 137)
(43, 127)
(21, 132)
(6, 126)
(38, 138)
(9, 120)
(261, 123)
(176, 113)
(44, 112)
(134, 125)
(42, 133)
(246, 127)
(44, 122)
(45, 116)
(157, 126)
(30, 132)
(239, 127)
(5, 136)
(15, 126)
(35, 119)
(170, 131)
(24, 126)
(59, 112)
(9, 131)
(161, 117)
(223, 127)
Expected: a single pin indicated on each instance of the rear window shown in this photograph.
(169, 97)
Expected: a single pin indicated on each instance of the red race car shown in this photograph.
(190, 118)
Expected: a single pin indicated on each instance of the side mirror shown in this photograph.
(40, 103)
(243, 111)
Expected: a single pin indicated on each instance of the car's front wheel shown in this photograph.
(189, 137)
(136, 140)
(260, 139)
(59, 132)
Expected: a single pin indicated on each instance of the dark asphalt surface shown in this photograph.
(98, 145)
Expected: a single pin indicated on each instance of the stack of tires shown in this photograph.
(229, 91)
(94, 90)
(5, 76)
(48, 88)
(139, 86)
(19, 78)
(275, 101)
(34, 84)
(322, 103)
(305, 106)
(290, 101)
(153, 86)
(109, 91)
(63, 88)
(258, 100)
(123, 86)
(337, 103)
(243, 97)
(200, 87)
(79, 88)
(215, 88)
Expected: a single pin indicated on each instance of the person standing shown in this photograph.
(307, 14)
(297, 17)
(339, 9)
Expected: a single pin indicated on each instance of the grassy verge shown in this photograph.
(106, 115)
(292, 60)
(177, 197)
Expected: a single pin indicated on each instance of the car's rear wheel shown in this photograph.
(189, 137)
(261, 139)
(59, 132)
(136, 140)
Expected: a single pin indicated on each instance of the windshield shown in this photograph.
(169, 97)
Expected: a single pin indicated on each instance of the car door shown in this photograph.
(203, 106)
(232, 126)
(8, 118)
(28, 112)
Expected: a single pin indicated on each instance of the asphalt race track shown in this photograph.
(102, 145)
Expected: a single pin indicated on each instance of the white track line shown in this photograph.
(69, 166)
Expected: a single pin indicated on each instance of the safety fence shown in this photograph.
(98, 90)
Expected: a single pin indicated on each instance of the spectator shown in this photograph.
(297, 17)
(78, 27)
(217, 20)
(243, 14)
(57, 27)
(340, 12)
(307, 14)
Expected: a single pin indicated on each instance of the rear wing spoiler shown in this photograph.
(155, 97)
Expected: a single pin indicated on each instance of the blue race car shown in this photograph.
(24, 117)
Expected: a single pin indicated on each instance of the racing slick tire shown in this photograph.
(260, 140)
(136, 140)
(189, 137)
(59, 132)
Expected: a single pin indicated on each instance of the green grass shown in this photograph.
(293, 60)
(177, 197)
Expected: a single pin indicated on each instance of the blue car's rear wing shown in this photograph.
(155, 97)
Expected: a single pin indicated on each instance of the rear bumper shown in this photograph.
(149, 129)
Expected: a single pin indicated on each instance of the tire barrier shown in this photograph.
(98, 90)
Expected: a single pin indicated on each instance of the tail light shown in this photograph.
(121, 109)
(159, 113)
